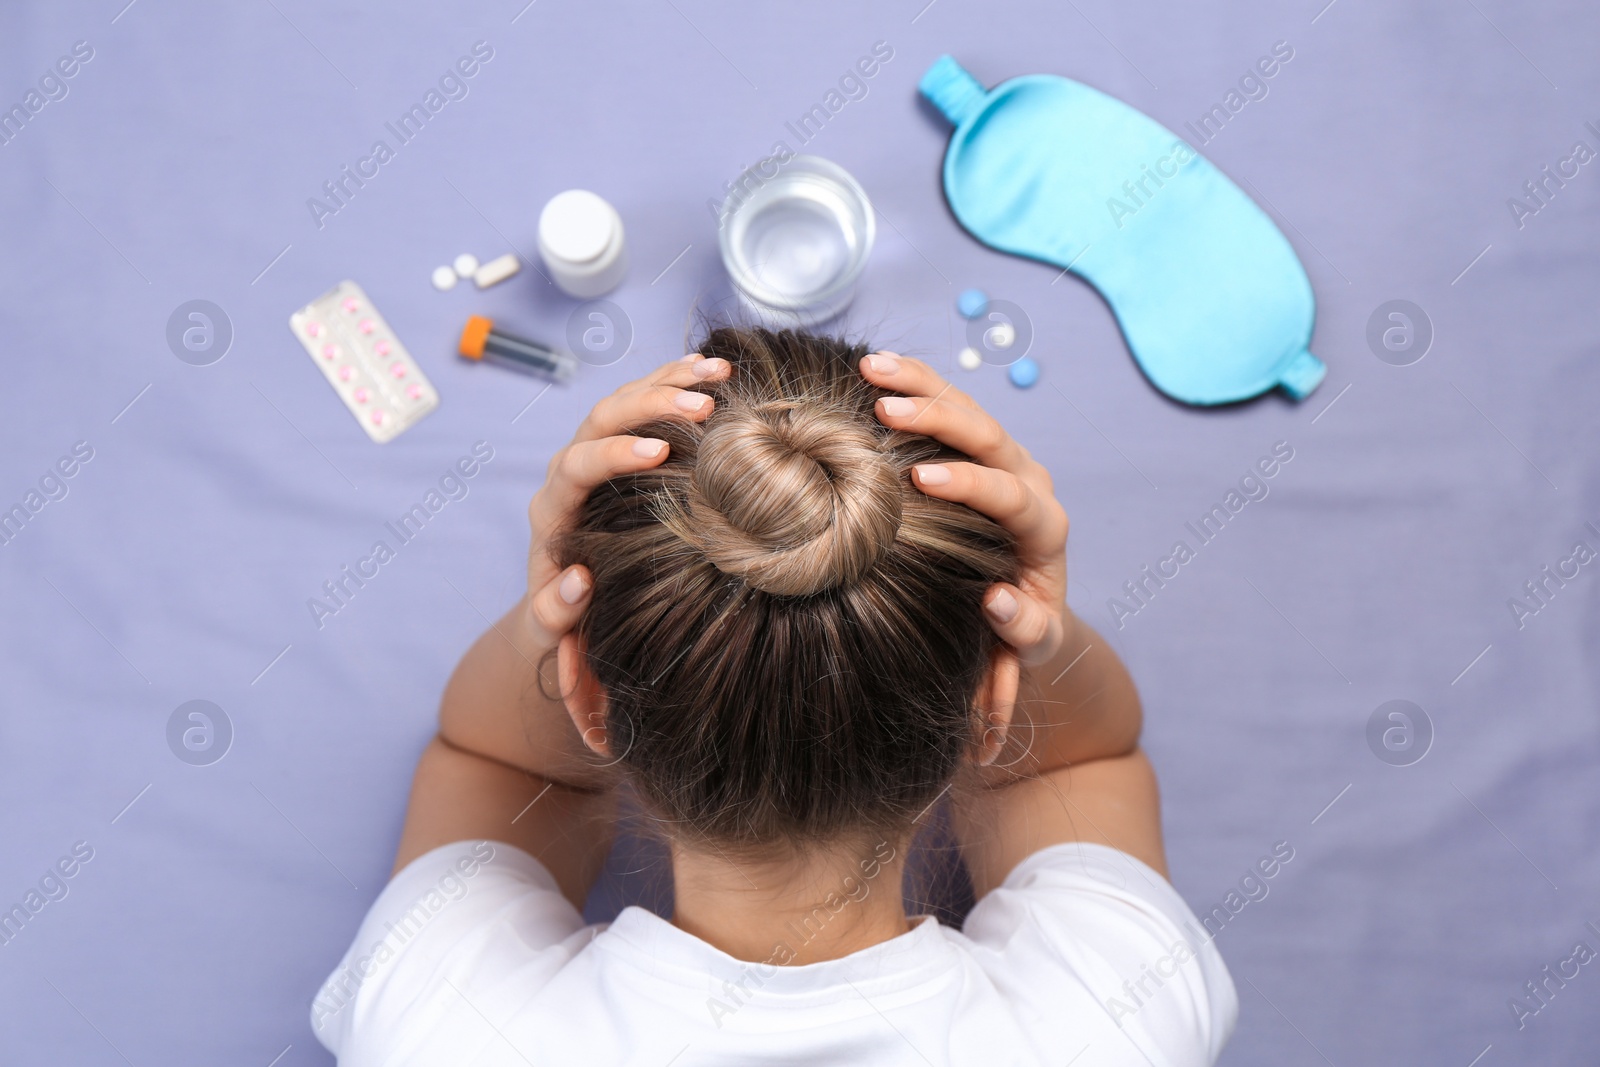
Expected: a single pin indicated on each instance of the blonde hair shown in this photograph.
(790, 635)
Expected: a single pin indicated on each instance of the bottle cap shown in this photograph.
(474, 335)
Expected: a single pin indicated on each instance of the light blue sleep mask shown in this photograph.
(1210, 296)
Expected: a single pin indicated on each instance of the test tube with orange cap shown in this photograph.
(480, 340)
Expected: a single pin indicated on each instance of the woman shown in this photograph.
(785, 595)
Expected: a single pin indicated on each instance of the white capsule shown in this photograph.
(444, 278)
(969, 358)
(466, 265)
(497, 270)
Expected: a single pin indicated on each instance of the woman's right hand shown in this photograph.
(1004, 483)
(1070, 763)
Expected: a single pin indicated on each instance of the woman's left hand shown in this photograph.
(603, 449)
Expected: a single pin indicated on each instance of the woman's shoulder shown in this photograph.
(469, 912)
(1091, 918)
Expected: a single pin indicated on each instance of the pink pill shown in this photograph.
(351, 304)
(330, 351)
(314, 329)
(414, 391)
(398, 370)
(382, 348)
(361, 395)
(366, 326)
(346, 372)
(379, 417)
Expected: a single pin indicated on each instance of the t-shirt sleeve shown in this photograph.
(465, 915)
(1108, 924)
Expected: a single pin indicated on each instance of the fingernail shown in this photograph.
(882, 363)
(933, 474)
(899, 406)
(691, 401)
(1002, 606)
(573, 587)
(648, 447)
(707, 367)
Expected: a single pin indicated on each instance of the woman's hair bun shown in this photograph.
(791, 498)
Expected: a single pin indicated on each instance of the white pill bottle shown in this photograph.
(581, 243)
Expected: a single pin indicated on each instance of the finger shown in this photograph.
(621, 411)
(903, 374)
(583, 465)
(969, 429)
(916, 379)
(1022, 623)
(560, 603)
(1037, 522)
(689, 370)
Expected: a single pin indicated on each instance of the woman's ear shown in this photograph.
(581, 693)
(997, 696)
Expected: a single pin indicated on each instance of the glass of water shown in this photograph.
(795, 238)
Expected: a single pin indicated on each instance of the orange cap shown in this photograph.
(474, 336)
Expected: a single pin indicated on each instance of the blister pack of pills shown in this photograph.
(364, 361)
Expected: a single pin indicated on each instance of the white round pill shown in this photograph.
(1001, 336)
(466, 265)
(969, 358)
(444, 278)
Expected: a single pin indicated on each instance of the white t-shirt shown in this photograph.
(470, 955)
